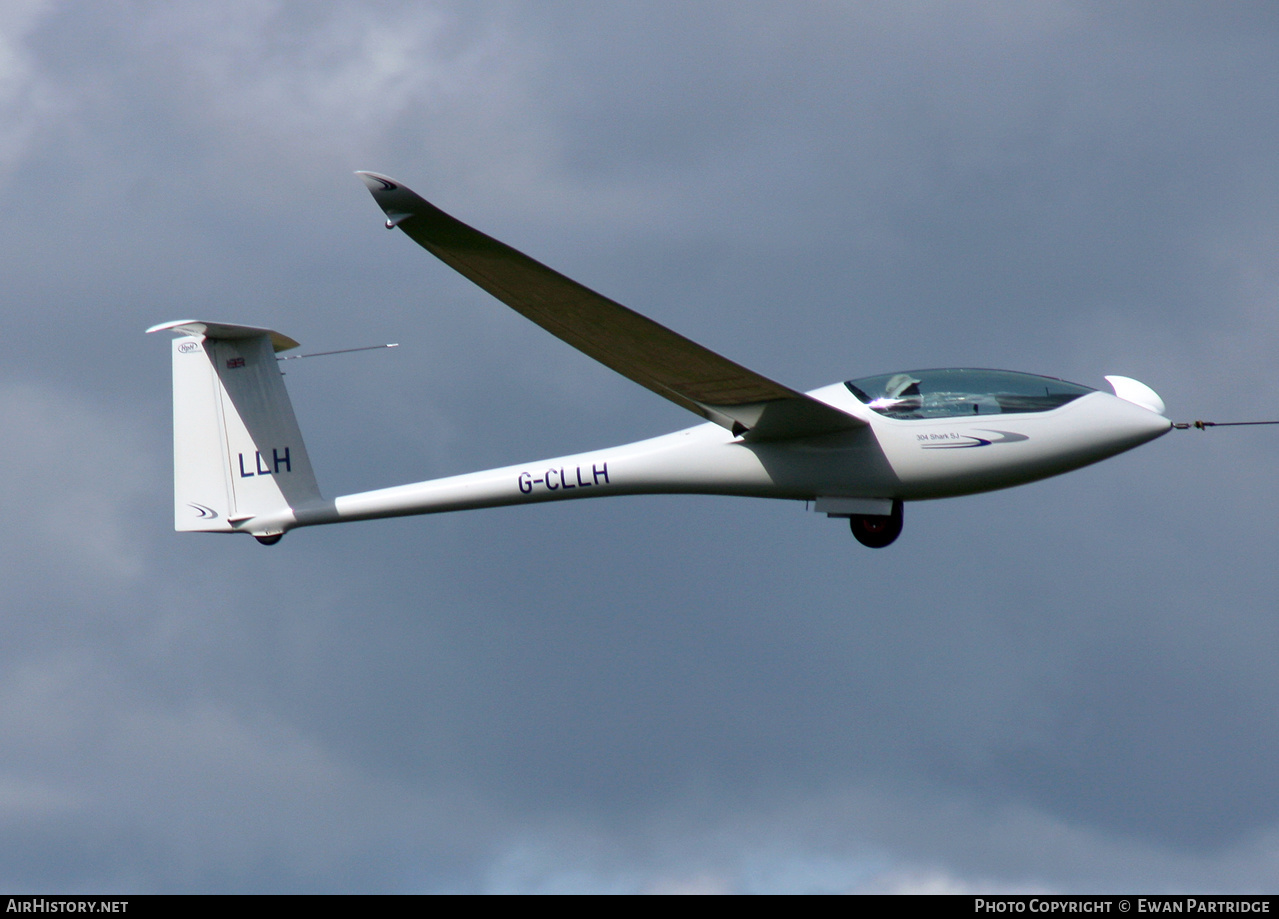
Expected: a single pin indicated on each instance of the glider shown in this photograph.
(855, 450)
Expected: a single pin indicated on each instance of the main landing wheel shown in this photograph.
(877, 530)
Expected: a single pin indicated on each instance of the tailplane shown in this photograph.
(237, 449)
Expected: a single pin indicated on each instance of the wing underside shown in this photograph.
(620, 338)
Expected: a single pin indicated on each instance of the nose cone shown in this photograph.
(1152, 425)
(1129, 424)
(1141, 419)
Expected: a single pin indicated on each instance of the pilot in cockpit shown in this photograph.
(901, 395)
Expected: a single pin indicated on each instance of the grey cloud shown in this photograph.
(1065, 686)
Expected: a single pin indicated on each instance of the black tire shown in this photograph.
(877, 530)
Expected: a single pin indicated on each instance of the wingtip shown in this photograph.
(399, 203)
(377, 183)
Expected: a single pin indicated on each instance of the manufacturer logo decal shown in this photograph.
(964, 441)
(188, 347)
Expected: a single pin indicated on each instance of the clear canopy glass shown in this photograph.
(962, 392)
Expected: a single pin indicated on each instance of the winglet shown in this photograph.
(396, 201)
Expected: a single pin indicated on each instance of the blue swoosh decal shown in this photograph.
(1005, 437)
(954, 445)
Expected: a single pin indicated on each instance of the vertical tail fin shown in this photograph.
(237, 449)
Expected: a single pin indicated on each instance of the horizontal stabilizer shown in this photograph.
(221, 331)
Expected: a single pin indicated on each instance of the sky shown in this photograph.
(1068, 686)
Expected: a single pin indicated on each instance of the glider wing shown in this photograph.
(620, 338)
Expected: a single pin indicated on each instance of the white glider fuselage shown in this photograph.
(847, 472)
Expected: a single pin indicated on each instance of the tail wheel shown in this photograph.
(877, 530)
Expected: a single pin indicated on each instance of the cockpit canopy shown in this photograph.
(962, 392)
